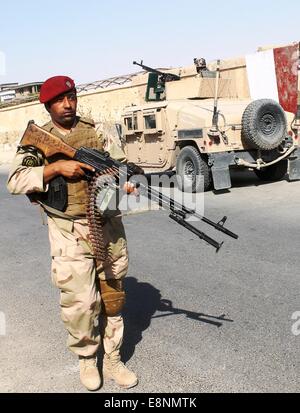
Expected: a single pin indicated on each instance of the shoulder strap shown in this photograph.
(56, 213)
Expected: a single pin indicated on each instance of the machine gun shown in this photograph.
(164, 77)
(102, 163)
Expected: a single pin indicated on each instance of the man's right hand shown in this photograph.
(69, 169)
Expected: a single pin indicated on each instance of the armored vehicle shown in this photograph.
(202, 121)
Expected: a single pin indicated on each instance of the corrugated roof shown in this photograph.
(28, 84)
(106, 83)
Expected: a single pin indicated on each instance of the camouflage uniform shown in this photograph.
(74, 269)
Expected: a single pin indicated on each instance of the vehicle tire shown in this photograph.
(193, 173)
(264, 124)
(274, 172)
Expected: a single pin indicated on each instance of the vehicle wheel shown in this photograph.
(274, 172)
(193, 173)
(264, 124)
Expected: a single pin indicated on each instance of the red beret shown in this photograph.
(54, 87)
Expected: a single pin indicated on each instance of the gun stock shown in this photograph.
(45, 141)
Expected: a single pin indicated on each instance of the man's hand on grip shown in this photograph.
(72, 169)
(69, 169)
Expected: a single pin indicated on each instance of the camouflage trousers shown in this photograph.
(75, 272)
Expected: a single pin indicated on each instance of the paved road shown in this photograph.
(196, 321)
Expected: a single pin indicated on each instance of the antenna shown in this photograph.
(214, 131)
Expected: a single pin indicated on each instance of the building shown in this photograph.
(27, 89)
(7, 92)
(7, 86)
(13, 92)
(7, 95)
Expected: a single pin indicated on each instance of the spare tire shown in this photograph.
(264, 124)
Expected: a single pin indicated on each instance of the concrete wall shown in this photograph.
(13, 121)
(103, 105)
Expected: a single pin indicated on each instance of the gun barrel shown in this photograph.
(196, 231)
(169, 76)
(171, 204)
(148, 69)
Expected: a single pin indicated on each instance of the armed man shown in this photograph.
(83, 281)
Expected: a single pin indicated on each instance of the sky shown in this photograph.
(92, 40)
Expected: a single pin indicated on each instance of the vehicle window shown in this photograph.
(150, 121)
(131, 122)
(128, 123)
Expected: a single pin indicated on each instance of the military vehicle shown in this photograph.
(204, 121)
